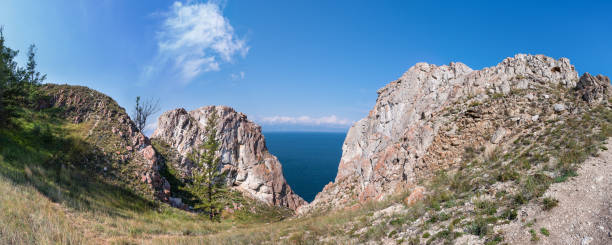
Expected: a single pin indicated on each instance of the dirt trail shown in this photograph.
(584, 212)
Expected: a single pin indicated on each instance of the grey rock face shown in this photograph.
(251, 168)
(382, 151)
(594, 89)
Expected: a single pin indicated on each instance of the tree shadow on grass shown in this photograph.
(177, 185)
(36, 150)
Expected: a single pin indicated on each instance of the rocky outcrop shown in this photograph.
(594, 89)
(391, 148)
(250, 167)
(109, 129)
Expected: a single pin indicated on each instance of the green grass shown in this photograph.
(55, 191)
(46, 161)
(28, 217)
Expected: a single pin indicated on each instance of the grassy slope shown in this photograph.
(50, 195)
(99, 116)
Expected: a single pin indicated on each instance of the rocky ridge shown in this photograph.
(128, 157)
(250, 168)
(411, 132)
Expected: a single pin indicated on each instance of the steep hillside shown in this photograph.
(251, 168)
(125, 155)
(75, 171)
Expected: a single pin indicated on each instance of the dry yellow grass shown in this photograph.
(28, 217)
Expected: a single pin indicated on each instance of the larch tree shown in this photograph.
(208, 184)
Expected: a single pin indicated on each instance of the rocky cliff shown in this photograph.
(426, 120)
(251, 168)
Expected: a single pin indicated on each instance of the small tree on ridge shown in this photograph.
(142, 112)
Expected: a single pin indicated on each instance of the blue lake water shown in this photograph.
(310, 160)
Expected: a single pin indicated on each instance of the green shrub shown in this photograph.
(486, 207)
(549, 203)
(534, 235)
(535, 185)
(497, 239)
(509, 214)
(565, 173)
(479, 227)
(497, 96)
(398, 221)
(519, 199)
(508, 175)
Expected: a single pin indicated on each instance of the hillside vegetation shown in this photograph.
(468, 203)
(71, 171)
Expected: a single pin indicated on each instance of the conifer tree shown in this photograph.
(4, 75)
(208, 184)
(18, 86)
(33, 76)
(10, 78)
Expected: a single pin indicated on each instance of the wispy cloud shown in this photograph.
(150, 127)
(237, 76)
(307, 120)
(195, 38)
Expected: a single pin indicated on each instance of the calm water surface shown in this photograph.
(310, 160)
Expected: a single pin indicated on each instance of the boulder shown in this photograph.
(559, 107)
(149, 153)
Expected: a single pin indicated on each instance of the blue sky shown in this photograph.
(290, 65)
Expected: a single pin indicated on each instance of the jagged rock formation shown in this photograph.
(129, 158)
(413, 128)
(251, 168)
(594, 89)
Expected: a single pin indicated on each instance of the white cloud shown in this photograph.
(237, 76)
(196, 38)
(306, 120)
(150, 127)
